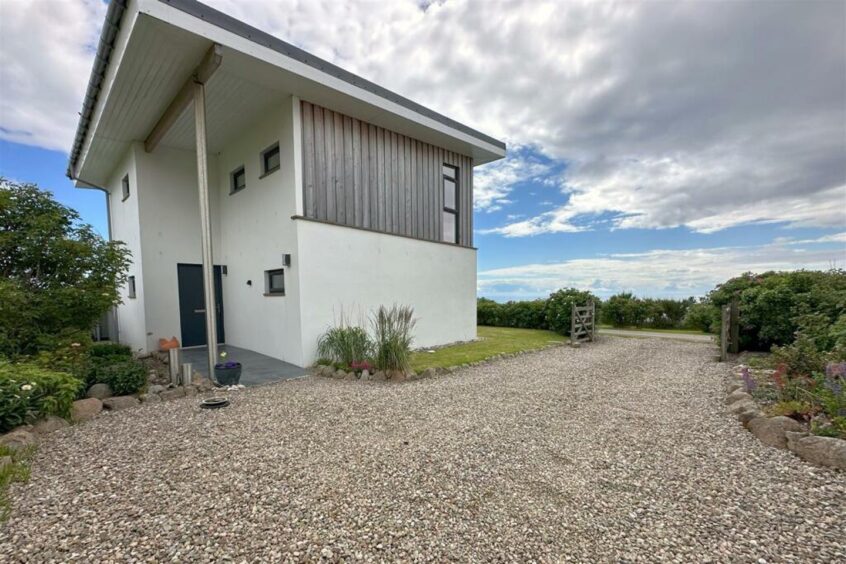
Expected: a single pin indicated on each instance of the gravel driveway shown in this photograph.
(617, 451)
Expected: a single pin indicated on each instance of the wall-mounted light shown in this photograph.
(249, 282)
(286, 259)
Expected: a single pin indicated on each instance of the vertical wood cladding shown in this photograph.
(358, 174)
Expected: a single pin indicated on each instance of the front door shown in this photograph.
(192, 305)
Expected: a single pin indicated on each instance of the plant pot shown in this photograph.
(227, 376)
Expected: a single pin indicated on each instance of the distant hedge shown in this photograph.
(552, 313)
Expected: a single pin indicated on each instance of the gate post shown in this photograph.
(573, 339)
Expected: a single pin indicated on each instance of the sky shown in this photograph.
(653, 147)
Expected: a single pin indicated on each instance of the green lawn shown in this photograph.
(682, 331)
(491, 342)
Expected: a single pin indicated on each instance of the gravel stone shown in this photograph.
(619, 451)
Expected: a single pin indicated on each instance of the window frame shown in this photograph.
(233, 187)
(264, 154)
(447, 209)
(124, 186)
(131, 290)
(268, 276)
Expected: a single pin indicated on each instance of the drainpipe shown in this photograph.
(88, 185)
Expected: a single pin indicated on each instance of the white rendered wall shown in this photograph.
(355, 271)
(124, 216)
(255, 231)
(170, 231)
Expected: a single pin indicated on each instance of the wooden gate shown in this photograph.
(582, 323)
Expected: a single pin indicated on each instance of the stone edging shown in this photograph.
(395, 376)
(780, 431)
(86, 409)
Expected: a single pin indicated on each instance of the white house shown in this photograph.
(312, 191)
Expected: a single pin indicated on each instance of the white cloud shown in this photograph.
(46, 54)
(702, 114)
(670, 273)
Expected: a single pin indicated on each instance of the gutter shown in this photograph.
(111, 26)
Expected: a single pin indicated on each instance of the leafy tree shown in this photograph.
(57, 276)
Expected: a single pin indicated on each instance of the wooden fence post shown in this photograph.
(592, 319)
(734, 321)
(724, 333)
(573, 338)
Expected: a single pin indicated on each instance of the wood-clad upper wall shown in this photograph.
(358, 174)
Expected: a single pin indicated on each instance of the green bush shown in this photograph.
(392, 337)
(124, 376)
(773, 304)
(559, 308)
(110, 350)
(28, 392)
(488, 312)
(57, 275)
(345, 344)
(702, 316)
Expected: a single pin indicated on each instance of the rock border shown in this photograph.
(328, 371)
(780, 431)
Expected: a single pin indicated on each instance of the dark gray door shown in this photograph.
(192, 305)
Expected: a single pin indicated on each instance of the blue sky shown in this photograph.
(652, 149)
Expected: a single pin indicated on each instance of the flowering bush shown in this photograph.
(29, 392)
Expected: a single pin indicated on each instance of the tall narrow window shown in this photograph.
(450, 211)
(125, 186)
(238, 180)
(131, 286)
(270, 159)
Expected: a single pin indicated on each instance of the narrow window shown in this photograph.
(270, 159)
(450, 211)
(131, 286)
(125, 185)
(274, 282)
(238, 180)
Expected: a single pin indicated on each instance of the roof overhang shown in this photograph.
(150, 47)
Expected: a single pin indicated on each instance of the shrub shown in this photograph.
(29, 392)
(703, 317)
(345, 345)
(773, 304)
(488, 312)
(392, 335)
(110, 350)
(559, 308)
(124, 376)
(57, 275)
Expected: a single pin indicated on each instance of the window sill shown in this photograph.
(269, 172)
(274, 294)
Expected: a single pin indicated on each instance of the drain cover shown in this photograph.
(214, 403)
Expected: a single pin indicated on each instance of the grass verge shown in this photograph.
(491, 342)
(16, 471)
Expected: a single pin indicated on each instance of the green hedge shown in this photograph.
(29, 392)
(773, 305)
(552, 313)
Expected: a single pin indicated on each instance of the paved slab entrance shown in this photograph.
(256, 368)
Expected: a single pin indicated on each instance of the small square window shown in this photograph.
(125, 186)
(270, 159)
(131, 286)
(238, 180)
(275, 282)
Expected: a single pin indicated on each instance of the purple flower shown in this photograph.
(750, 383)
